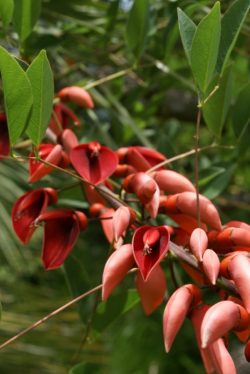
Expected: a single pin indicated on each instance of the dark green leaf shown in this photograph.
(18, 97)
(26, 13)
(241, 111)
(85, 368)
(113, 308)
(6, 11)
(137, 27)
(41, 79)
(187, 30)
(218, 184)
(216, 108)
(204, 51)
(230, 27)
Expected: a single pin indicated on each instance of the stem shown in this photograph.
(50, 315)
(186, 154)
(107, 78)
(196, 166)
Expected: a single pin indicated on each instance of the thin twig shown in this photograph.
(196, 166)
(50, 315)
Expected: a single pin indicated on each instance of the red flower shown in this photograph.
(27, 208)
(93, 161)
(150, 245)
(76, 95)
(61, 231)
(47, 152)
(4, 136)
(61, 118)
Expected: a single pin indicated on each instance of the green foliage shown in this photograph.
(26, 13)
(18, 96)
(6, 11)
(187, 31)
(41, 80)
(230, 27)
(137, 26)
(216, 108)
(205, 46)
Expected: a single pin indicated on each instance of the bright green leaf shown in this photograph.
(241, 111)
(26, 13)
(216, 108)
(6, 11)
(187, 30)
(41, 79)
(230, 27)
(204, 50)
(113, 308)
(85, 368)
(137, 26)
(18, 96)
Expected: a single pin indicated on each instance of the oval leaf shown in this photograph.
(26, 13)
(187, 30)
(41, 79)
(230, 27)
(18, 97)
(137, 27)
(205, 48)
(216, 108)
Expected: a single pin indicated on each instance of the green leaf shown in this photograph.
(18, 96)
(137, 26)
(187, 30)
(41, 79)
(26, 13)
(216, 108)
(6, 11)
(85, 368)
(205, 46)
(230, 27)
(218, 184)
(241, 111)
(113, 308)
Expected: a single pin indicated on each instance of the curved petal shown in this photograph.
(116, 268)
(198, 243)
(172, 182)
(76, 95)
(153, 290)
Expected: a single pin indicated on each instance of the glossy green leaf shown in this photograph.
(241, 111)
(116, 305)
(230, 27)
(137, 26)
(18, 98)
(41, 79)
(216, 108)
(187, 30)
(26, 13)
(6, 11)
(218, 184)
(205, 46)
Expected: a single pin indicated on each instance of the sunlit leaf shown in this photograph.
(205, 45)
(41, 79)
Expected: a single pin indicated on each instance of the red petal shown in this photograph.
(94, 169)
(77, 95)
(61, 231)
(27, 208)
(146, 263)
(47, 152)
(151, 292)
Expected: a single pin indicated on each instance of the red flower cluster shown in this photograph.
(207, 250)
